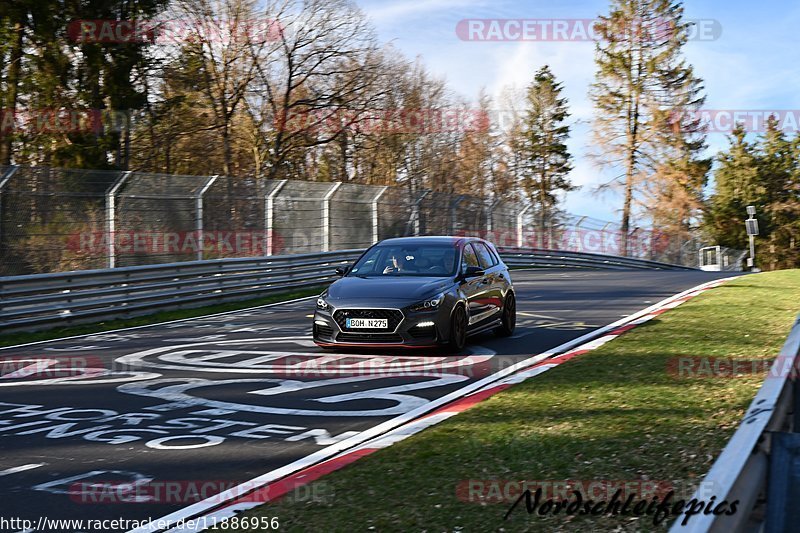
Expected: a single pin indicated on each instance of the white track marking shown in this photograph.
(217, 357)
(21, 468)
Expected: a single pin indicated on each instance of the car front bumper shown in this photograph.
(414, 330)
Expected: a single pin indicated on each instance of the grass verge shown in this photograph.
(11, 339)
(616, 413)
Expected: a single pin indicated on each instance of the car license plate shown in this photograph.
(367, 323)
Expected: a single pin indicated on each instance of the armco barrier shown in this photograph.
(520, 257)
(41, 300)
(740, 471)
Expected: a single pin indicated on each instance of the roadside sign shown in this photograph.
(752, 226)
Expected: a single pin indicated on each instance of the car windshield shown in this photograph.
(438, 260)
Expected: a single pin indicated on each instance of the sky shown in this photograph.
(746, 52)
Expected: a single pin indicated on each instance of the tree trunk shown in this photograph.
(626, 207)
(227, 157)
(12, 82)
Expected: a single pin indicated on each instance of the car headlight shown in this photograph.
(429, 304)
(322, 304)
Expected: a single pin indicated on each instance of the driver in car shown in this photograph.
(400, 263)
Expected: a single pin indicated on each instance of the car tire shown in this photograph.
(509, 319)
(458, 330)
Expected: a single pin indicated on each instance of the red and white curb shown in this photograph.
(273, 485)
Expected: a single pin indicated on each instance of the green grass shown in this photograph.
(612, 414)
(11, 339)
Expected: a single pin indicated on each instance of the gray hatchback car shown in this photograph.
(417, 292)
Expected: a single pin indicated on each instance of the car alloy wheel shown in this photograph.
(509, 318)
(458, 329)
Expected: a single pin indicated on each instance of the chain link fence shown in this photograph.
(55, 220)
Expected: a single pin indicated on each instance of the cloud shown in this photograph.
(382, 12)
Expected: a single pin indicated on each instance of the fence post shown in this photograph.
(111, 217)
(490, 216)
(199, 214)
(415, 212)
(520, 220)
(632, 239)
(7, 176)
(603, 237)
(682, 253)
(269, 215)
(326, 216)
(577, 231)
(377, 197)
(453, 217)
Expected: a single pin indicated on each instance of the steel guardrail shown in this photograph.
(38, 301)
(566, 259)
(740, 471)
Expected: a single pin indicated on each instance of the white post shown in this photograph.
(377, 197)
(269, 215)
(520, 221)
(490, 216)
(199, 214)
(603, 237)
(10, 172)
(453, 217)
(111, 217)
(576, 232)
(326, 217)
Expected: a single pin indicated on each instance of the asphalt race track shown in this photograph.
(138, 423)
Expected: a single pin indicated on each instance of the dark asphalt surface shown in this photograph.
(181, 411)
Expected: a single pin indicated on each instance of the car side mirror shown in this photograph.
(473, 271)
(342, 270)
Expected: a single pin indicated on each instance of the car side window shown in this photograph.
(494, 253)
(486, 257)
(469, 258)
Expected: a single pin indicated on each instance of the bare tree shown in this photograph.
(325, 59)
(227, 47)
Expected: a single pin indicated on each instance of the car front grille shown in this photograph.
(393, 317)
(370, 337)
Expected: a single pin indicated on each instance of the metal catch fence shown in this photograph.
(57, 220)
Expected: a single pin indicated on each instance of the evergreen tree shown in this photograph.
(642, 83)
(736, 186)
(777, 172)
(764, 173)
(543, 160)
(47, 70)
